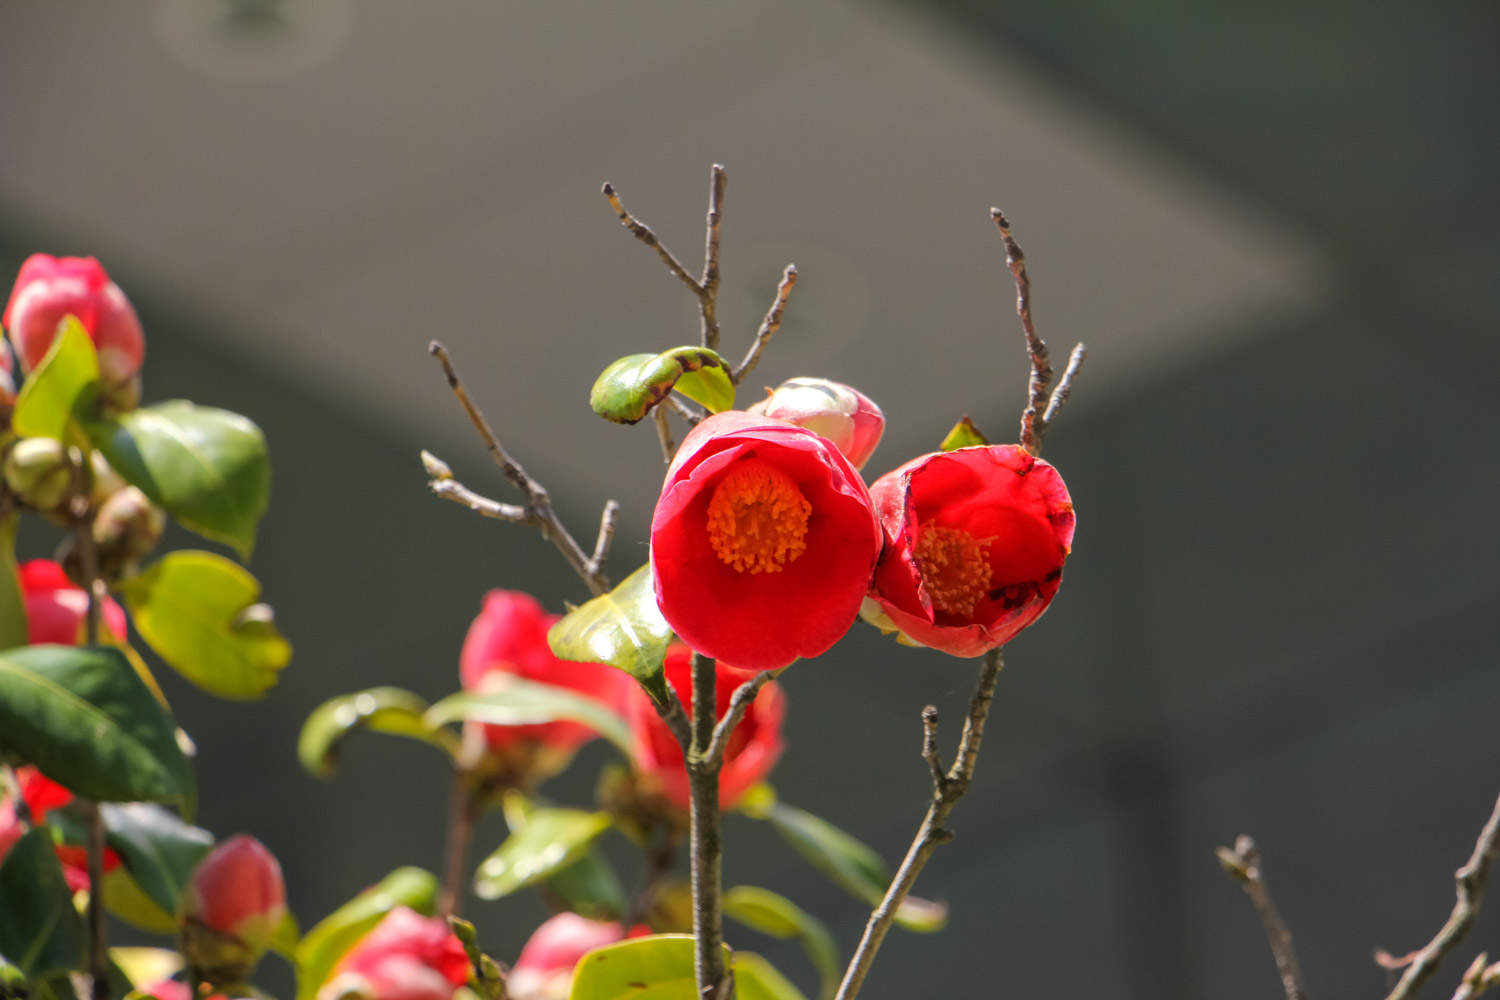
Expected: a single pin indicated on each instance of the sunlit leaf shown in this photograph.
(208, 468)
(778, 916)
(551, 841)
(963, 435)
(512, 701)
(89, 722)
(40, 932)
(146, 966)
(67, 377)
(157, 848)
(321, 948)
(628, 389)
(623, 628)
(660, 967)
(198, 610)
(388, 710)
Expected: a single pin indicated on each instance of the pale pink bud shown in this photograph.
(406, 957)
(232, 908)
(51, 288)
(545, 969)
(840, 413)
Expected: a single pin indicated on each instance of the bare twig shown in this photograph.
(947, 790)
(692, 414)
(929, 747)
(607, 521)
(1470, 882)
(452, 489)
(706, 847)
(768, 326)
(664, 435)
(705, 289)
(1040, 408)
(538, 502)
(739, 702)
(1479, 978)
(1243, 863)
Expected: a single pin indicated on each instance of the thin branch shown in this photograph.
(739, 703)
(538, 502)
(607, 522)
(676, 718)
(929, 747)
(1064, 389)
(452, 489)
(947, 790)
(1243, 863)
(768, 326)
(1470, 882)
(463, 813)
(692, 414)
(643, 232)
(706, 846)
(1041, 366)
(664, 434)
(709, 301)
(1479, 978)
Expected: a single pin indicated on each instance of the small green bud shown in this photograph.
(38, 471)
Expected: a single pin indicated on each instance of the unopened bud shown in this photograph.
(128, 526)
(106, 482)
(231, 909)
(122, 397)
(840, 413)
(38, 471)
(49, 289)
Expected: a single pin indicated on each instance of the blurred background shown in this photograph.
(1273, 225)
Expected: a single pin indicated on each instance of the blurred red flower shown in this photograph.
(41, 795)
(406, 957)
(57, 609)
(545, 969)
(49, 288)
(237, 890)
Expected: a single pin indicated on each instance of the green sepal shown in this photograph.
(390, 710)
(631, 386)
(963, 435)
(623, 628)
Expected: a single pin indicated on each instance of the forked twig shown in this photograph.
(768, 326)
(739, 703)
(1243, 864)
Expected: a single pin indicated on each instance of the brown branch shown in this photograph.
(538, 503)
(706, 845)
(739, 703)
(929, 747)
(452, 489)
(691, 414)
(1040, 407)
(1243, 863)
(606, 537)
(643, 232)
(947, 789)
(1479, 978)
(1470, 882)
(664, 434)
(768, 326)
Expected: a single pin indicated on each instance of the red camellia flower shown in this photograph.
(975, 544)
(41, 795)
(406, 957)
(50, 288)
(839, 412)
(545, 969)
(509, 638)
(762, 543)
(57, 610)
(752, 749)
(237, 890)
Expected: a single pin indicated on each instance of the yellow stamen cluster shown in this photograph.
(955, 568)
(757, 518)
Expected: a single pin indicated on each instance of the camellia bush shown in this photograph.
(767, 545)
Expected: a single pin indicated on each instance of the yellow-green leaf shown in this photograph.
(631, 386)
(52, 393)
(389, 710)
(623, 628)
(963, 435)
(552, 840)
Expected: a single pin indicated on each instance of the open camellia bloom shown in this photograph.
(545, 969)
(509, 638)
(406, 957)
(762, 543)
(57, 609)
(752, 749)
(975, 545)
(50, 288)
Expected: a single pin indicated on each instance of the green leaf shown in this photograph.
(623, 628)
(512, 701)
(852, 865)
(551, 840)
(124, 898)
(13, 628)
(157, 848)
(591, 888)
(709, 386)
(208, 468)
(146, 966)
(321, 948)
(963, 435)
(779, 917)
(40, 932)
(67, 376)
(89, 722)
(628, 389)
(660, 967)
(757, 979)
(379, 709)
(198, 611)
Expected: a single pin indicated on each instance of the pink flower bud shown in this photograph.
(50, 288)
(232, 908)
(57, 609)
(406, 957)
(545, 969)
(838, 412)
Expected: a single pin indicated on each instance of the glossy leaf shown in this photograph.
(778, 916)
(40, 932)
(757, 979)
(390, 710)
(591, 888)
(13, 627)
(551, 841)
(660, 967)
(158, 849)
(963, 435)
(198, 611)
(628, 389)
(146, 966)
(512, 701)
(321, 948)
(124, 898)
(709, 386)
(67, 377)
(851, 864)
(208, 468)
(623, 628)
(89, 722)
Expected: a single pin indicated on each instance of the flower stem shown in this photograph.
(705, 843)
(461, 816)
(98, 954)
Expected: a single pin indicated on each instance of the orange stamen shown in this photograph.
(955, 568)
(757, 518)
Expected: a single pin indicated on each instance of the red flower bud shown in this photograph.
(237, 897)
(762, 543)
(975, 544)
(57, 610)
(545, 969)
(406, 957)
(752, 749)
(41, 795)
(50, 288)
(841, 413)
(509, 638)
